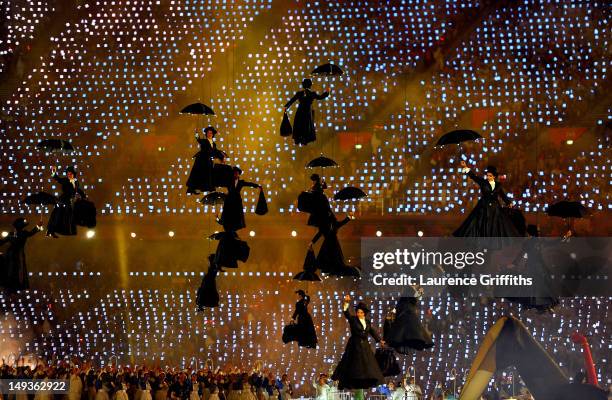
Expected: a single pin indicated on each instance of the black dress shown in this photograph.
(358, 368)
(201, 175)
(14, 272)
(531, 264)
(321, 214)
(488, 218)
(232, 217)
(330, 258)
(62, 219)
(304, 130)
(231, 250)
(207, 293)
(303, 331)
(405, 332)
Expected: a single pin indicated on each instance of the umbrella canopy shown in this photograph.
(458, 136)
(213, 198)
(55, 145)
(350, 193)
(197, 109)
(321, 162)
(40, 198)
(567, 209)
(327, 69)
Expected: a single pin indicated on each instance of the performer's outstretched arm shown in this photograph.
(322, 95)
(345, 307)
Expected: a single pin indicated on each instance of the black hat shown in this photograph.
(306, 83)
(211, 128)
(301, 292)
(70, 169)
(362, 306)
(237, 169)
(491, 169)
(20, 223)
(533, 230)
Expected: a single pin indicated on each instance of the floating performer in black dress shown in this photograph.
(403, 329)
(207, 293)
(487, 219)
(232, 216)
(201, 176)
(531, 264)
(330, 258)
(302, 328)
(230, 250)
(62, 217)
(13, 271)
(358, 368)
(320, 211)
(303, 123)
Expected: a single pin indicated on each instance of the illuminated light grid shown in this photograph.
(106, 95)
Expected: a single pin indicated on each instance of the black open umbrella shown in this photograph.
(40, 198)
(197, 109)
(321, 162)
(327, 69)
(55, 145)
(458, 136)
(350, 193)
(567, 209)
(213, 198)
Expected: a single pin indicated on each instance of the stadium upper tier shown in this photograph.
(529, 76)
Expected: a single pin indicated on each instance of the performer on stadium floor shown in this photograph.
(304, 130)
(201, 175)
(62, 219)
(358, 368)
(413, 391)
(302, 328)
(487, 219)
(403, 329)
(232, 216)
(13, 267)
(322, 388)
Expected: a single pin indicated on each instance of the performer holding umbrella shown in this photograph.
(62, 218)
(358, 368)
(304, 130)
(487, 219)
(330, 258)
(201, 176)
(14, 272)
(232, 216)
